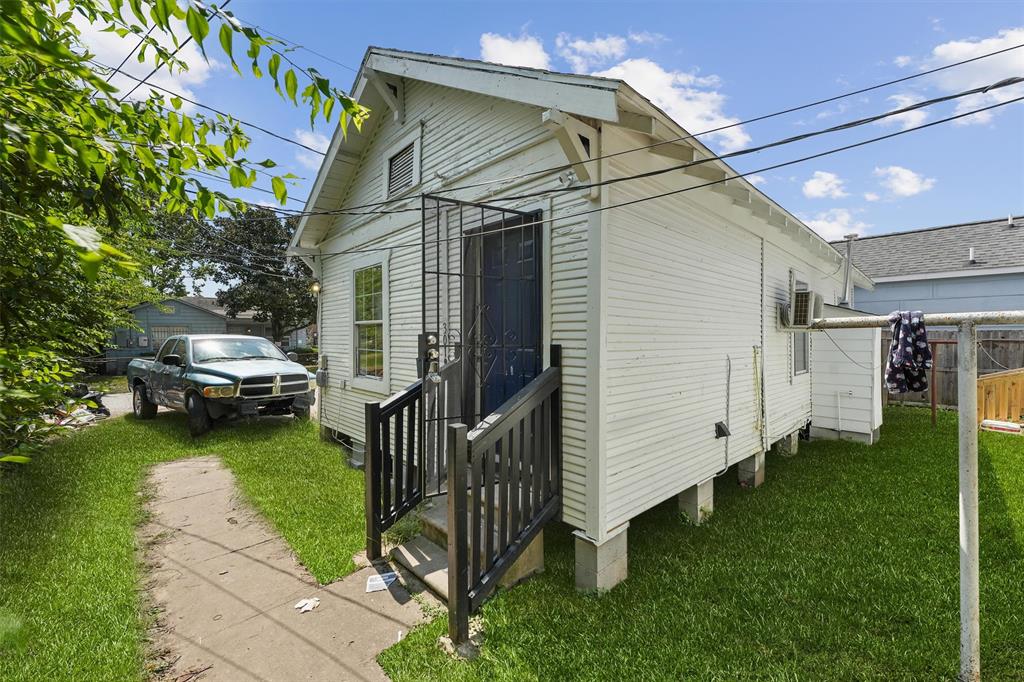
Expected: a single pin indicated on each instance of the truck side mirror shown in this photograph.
(172, 360)
(294, 357)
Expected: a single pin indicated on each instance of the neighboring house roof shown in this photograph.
(588, 97)
(207, 304)
(943, 251)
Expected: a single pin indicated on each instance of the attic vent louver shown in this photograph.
(401, 170)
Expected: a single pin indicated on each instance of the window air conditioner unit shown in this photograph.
(803, 308)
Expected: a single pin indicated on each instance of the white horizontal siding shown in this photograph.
(683, 300)
(461, 133)
(846, 371)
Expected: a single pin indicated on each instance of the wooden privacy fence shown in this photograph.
(998, 351)
(1001, 396)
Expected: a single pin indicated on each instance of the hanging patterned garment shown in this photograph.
(910, 357)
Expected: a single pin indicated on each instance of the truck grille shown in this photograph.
(260, 387)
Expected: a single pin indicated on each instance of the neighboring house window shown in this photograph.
(368, 318)
(160, 333)
(801, 344)
(402, 166)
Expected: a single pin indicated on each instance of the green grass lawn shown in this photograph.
(69, 573)
(844, 565)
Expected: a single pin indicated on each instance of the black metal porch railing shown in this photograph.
(503, 486)
(393, 480)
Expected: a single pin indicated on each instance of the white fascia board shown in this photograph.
(539, 88)
(333, 151)
(631, 100)
(951, 274)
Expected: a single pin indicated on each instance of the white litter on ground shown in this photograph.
(380, 581)
(307, 605)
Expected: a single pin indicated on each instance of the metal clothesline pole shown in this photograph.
(967, 397)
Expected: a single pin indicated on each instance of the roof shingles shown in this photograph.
(997, 244)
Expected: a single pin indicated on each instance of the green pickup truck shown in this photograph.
(217, 376)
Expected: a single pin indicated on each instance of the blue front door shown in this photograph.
(505, 292)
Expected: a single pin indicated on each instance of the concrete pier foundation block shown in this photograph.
(789, 445)
(600, 567)
(751, 471)
(698, 502)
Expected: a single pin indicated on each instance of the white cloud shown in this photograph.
(902, 61)
(686, 97)
(908, 119)
(647, 38)
(982, 72)
(314, 140)
(871, 196)
(823, 185)
(583, 55)
(903, 182)
(526, 50)
(836, 222)
(756, 180)
(110, 49)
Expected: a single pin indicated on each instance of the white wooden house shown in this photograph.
(665, 310)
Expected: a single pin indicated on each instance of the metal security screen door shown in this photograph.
(482, 303)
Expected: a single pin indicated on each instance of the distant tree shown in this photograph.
(247, 257)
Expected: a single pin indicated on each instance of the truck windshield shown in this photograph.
(212, 350)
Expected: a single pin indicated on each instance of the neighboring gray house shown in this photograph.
(957, 268)
(187, 315)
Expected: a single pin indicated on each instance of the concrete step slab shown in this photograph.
(427, 561)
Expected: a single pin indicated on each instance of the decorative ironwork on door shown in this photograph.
(482, 299)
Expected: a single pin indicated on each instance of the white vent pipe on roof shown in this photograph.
(970, 255)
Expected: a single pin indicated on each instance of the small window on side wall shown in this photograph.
(368, 319)
(801, 344)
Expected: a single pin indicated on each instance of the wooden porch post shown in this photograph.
(458, 536)
(371, 470)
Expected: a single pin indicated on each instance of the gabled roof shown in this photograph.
(591, 97)
(207, 304)
(998, 246)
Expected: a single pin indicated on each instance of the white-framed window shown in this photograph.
(401, 171)
(370, 324)
(801, 344)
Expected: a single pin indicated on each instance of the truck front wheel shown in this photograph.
(141, 405)
(198, 417)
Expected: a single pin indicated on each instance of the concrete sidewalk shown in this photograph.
(227, 585)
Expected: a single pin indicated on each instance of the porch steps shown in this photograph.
(427, 561)
(426, 555)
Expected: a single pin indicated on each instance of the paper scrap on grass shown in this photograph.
(307, 605)
(380, 581)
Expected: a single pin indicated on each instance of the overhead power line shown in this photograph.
(763, 117)
(778, 143)
(156, 68)
(130, 53)
(207, 107)
(579, 214)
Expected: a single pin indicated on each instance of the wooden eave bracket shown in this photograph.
(395, 103)
(567, 130)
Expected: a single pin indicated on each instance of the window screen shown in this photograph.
(801, 342)
(401, 170)
(369, 322)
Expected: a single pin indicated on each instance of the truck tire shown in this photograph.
(301, 412)
(141, 405)
(199, 421)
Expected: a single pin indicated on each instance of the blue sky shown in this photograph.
(706, 64)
